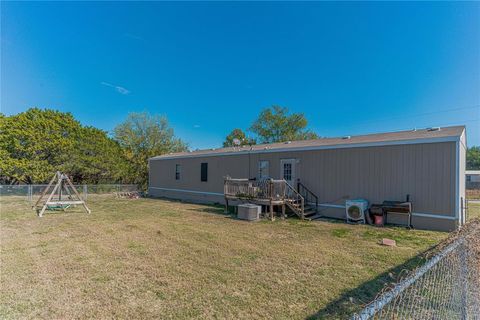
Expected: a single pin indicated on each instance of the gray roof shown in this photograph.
(410, 136)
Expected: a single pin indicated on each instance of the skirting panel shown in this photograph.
(330, 211)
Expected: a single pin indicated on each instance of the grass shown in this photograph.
(473, 210)
(151, 258)
(473, 194)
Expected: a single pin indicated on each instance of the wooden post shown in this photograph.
(60, 190)
(271, 211)
(283, 211)
(76, 193)
(303, 209)
(226, 205)
(46, 189)
(48, 199)
(271, 200)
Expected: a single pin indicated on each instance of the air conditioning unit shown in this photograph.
(355, 210)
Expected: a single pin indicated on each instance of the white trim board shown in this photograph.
(311, 148)
(414, 214)
(328, 205)
(188, 191)
(457, 182)
(431, 215)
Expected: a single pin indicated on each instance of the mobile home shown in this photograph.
(428, 165)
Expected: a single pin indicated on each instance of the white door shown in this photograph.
(287, 171)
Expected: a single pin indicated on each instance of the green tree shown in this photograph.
(240, 135)
(143, 136)
(473, 158)
(98, 159)
(36, 143)
(274, 124)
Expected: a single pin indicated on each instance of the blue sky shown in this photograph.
(352, 68)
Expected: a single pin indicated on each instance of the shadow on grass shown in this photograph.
(354, 300)
(207, 208)
(215, 209)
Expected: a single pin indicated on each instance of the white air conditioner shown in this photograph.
(355, 210)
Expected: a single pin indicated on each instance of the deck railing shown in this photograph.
(255, 189)
(270, 190)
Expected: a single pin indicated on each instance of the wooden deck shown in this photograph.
(265, 192)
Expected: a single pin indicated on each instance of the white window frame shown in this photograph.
(178, 171)
(293, 173)
(261, 169)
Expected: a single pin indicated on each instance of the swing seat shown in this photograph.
(58, 207)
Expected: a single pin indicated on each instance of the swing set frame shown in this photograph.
(62, 196)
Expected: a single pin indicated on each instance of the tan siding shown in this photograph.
(425, 171)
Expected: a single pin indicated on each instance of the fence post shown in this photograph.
(30, 193)
(85, 192)
(464, 279)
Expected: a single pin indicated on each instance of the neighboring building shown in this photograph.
(472, 178)
(428, 165)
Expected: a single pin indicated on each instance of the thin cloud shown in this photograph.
(133, 36)
(119, 89)
(196, 126)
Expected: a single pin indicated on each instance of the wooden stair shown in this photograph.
(309, 211)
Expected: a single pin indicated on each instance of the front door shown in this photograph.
(287, 171)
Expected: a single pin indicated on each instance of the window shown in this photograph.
(287, 171)
(204, 172)
(469, 178)
(178, 169)
(263, 169)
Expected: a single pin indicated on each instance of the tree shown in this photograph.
(473, 158)
(274, 124)
(240, 135)
(98, 159)
(36, 143)
(143, 136)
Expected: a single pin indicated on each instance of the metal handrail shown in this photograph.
(308, 193)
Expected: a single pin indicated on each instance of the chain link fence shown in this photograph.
(447, 286)
(32, 191)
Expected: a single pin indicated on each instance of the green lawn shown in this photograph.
(473, 210)
(152, 258)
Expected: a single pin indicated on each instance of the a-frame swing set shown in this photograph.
(62, 196)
